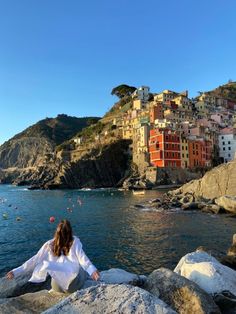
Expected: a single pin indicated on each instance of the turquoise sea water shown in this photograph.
(114, 233)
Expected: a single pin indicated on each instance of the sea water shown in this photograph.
(113, 231)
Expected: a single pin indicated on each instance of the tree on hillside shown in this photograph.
(123, 90)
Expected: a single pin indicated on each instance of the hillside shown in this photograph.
(29, 148)
(227, 91)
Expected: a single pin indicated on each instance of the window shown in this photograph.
(183, 155)
(187, 155)
(229, 148)
(222, 137)
(223, 148)
(229, 155)
(228, 142)
(182, 147)
(223, 143)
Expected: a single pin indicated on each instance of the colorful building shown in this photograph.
(156, 112)
(184, 152)
(164, 148)
(227, 144)
(200, 153)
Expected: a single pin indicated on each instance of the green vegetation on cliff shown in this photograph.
(225, 91)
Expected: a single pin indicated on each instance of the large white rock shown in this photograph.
(227, 202)
(207, 272)
(117, 275)
(104, 299)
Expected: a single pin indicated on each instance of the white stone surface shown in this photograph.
(117, 275)
(207, 272)
(106, 299)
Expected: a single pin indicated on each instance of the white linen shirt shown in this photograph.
(62, 269)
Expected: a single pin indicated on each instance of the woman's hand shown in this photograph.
(95, 275)
(10, 275)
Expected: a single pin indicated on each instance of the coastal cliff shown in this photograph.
(217, 182)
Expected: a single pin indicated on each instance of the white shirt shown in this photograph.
(62, 269)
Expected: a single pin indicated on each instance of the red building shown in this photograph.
(164, 148)
(156, 112)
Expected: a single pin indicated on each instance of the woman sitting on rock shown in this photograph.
(63, 259)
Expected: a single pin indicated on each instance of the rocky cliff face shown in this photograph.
(215, 183)
(105, 166)
(30, 155)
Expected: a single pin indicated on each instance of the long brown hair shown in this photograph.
(63, 238)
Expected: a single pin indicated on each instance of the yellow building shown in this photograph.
(183, 102)
(184, 152)
(166, 95)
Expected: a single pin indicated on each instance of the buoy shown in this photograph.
(16, 207)
(4, 215)
(52, 219)
(18, 218)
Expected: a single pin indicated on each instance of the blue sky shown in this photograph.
(66, 56)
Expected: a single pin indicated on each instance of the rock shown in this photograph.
(180, 293)
(229, 261)
(118, 276)
(104, 299)
(227, 202)
(188, 198)
(226, 302)
(155, 200)
(232, 249)
(190, 206)
(20, 285)
(217, 182)
(207, 272)
(212, 209)
(30, 303)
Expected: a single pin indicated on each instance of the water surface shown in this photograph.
(114, 233)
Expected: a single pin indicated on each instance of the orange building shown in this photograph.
(164, 148)
(156, 112)
(200, 153)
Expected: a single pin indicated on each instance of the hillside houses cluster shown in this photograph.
(173, 130)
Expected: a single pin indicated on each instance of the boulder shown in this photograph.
(104, 299)
(217, 182)
(20, 285)
(190, 206)
(226, 302)
(207, 272)
(188, 198)
(30, 303)
(232, 249)
(118, 276)
(227, 202)
(180, 293)
(212, 209)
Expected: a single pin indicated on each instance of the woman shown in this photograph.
(61, 258)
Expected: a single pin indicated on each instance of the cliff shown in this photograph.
(217, 182)
(32, 150)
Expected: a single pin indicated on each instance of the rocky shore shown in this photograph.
(198, 284)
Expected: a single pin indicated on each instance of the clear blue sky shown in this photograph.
(59, 56)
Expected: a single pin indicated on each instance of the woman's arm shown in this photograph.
(29, 264)
(85, 262)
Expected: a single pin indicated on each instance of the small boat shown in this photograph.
(138, 192)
